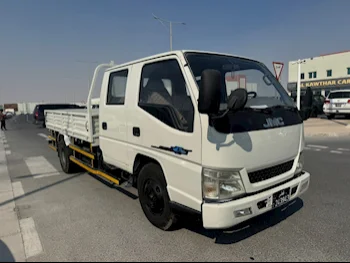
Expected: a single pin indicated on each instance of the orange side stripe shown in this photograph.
(93, 171)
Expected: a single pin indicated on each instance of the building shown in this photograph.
(322, 74)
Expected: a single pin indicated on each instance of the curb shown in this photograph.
(12, 241)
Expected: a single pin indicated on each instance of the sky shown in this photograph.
(49, 48)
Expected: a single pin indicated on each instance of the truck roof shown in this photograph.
(175, 52)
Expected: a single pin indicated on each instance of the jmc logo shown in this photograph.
(274, 122)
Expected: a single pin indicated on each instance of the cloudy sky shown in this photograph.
(48, 48)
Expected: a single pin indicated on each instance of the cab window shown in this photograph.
(117, 87)
(164, 95)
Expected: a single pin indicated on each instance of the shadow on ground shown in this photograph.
(5, 253)
(41, 188)
(234, 235)
(246, 229)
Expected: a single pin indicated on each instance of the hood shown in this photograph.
(255, 151)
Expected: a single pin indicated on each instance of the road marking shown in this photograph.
(317, 146)
(40, 167)
(43, 135)
(17, 189)
(45, 175)
(317, 150)
(307, 148)
(337, 152)
(31, 240)
(343, 149)
(6, 146)
(7, 152)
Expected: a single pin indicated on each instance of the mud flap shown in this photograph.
(66, 140)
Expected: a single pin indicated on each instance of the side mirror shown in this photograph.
(209, 92)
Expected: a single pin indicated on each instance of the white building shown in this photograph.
(323, 74)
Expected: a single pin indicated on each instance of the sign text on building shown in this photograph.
(326, 83)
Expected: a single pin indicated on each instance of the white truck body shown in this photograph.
(262, 158)
(74, 123)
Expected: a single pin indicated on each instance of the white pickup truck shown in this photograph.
(167, 125)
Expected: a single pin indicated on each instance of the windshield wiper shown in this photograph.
(269, 110)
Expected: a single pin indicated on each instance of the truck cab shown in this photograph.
(227, 153)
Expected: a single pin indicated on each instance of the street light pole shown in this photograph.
(299, 62)
(171, 23)
(171, 35)
(298, 85)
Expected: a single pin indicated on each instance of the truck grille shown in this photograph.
(268, 173)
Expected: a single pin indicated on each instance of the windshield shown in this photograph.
(253, 76)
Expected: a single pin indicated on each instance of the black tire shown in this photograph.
(64, 153)
(331, 116)
(154, 197)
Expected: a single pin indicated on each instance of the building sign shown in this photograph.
(327, 83)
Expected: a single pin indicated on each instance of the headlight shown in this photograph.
(221, 184)
(300, 164)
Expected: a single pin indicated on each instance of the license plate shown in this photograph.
(281, 198)
(338, 105)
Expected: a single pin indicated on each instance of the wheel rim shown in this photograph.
(154, 199)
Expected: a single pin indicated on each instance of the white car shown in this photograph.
(337, 102)
(9, 114)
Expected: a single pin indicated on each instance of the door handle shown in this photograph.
(136, 131)
(104, 125)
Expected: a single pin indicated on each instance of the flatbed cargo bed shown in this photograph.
(74, 123)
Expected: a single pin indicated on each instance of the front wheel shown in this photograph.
(154, 198)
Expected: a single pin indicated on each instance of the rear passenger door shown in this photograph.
(113, 119)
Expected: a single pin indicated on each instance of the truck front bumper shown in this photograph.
(229, 214)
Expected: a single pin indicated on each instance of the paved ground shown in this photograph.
(78, 218)
(322, 127)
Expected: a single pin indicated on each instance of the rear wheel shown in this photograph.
(64, 153)
(154, 198)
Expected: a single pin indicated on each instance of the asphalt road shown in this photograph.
(78, 218)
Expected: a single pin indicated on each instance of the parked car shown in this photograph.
(9, 114)
(337, 103)
(38, 114)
